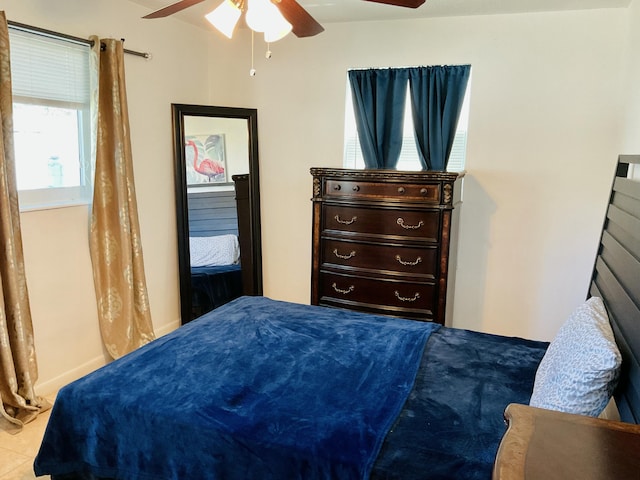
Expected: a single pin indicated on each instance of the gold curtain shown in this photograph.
(18, 367)
(116, 250)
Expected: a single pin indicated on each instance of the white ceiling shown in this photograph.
(329, 11)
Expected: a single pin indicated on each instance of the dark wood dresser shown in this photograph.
(384, 241)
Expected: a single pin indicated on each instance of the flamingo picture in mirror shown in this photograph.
(206, 160)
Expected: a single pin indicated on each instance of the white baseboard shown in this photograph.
(167, 328)
(50, 387)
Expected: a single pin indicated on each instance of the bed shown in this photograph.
(216, 275)
(273, 390)
(214, 250)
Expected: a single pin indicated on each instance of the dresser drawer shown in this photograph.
(429, 193)
(383, 240)
(423, 224)
(422, 261)
(377, 291)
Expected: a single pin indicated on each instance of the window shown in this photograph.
(409, 159)
(51, 119)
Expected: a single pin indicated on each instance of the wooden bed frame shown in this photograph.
(212, 213)
(616, 279)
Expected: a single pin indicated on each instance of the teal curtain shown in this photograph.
(378, 103)
(437, 94)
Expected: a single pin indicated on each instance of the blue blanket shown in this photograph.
(257, 389)
(212, 287)
(452, 423)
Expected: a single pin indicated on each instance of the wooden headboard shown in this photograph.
(616, 279)
(212, 213)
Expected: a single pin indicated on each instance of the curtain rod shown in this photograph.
(71, 38)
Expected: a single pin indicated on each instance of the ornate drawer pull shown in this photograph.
(402, 262)
(400, 222)
(344, 292)
(406, 299)
(344, 257)
(345, 222)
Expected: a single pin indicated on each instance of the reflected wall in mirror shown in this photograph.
(217, 206)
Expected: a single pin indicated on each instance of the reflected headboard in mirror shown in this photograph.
(218, 218)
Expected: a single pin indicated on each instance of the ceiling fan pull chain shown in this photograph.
(268, 54)
(252, 72)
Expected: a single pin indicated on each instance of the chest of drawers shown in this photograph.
(384, 241)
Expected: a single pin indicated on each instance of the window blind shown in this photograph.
(409, 155)
(49, 69)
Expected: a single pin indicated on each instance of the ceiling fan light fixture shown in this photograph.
(257, 15)
(277, 32)
(279, 27)
(225, 17)
(262, 16)
(274, 35)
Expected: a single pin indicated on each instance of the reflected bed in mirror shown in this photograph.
(217, 206)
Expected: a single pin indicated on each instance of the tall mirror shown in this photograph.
(217, 206)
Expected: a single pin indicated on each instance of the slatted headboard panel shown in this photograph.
(616, 279)
(212, 213)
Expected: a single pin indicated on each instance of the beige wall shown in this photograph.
(547, 122)
(544, 133)
(631, 143)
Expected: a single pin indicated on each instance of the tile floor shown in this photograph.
(18, 451)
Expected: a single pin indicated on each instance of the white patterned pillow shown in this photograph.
(214, 251)
(581, 366)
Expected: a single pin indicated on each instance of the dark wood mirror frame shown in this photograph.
(250, 248)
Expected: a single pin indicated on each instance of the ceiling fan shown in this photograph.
(302, 23)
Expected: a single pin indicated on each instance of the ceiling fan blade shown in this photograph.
(173, 8)
(304, 25)
(400, 3)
